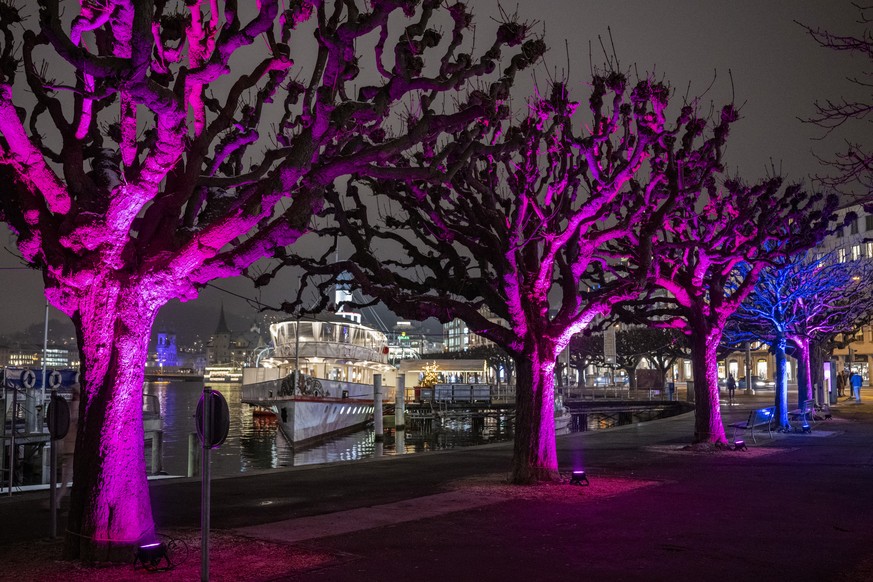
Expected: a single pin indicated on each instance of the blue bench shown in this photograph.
(758, 418)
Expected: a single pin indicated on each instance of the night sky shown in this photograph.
(778, 72)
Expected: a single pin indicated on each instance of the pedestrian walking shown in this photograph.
(842, 378)
(856, 386)
(731, 386)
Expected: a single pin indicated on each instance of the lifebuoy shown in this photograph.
(28, 378)
(54, 379)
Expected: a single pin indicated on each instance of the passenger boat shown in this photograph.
(319, 379)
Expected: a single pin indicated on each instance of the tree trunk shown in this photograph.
(804, 372)
(781, 382)
(708, 427)
(631, 375)
(535, 458)
(818, 355)
(110, 510)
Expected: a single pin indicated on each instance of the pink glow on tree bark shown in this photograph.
(110, 466)
(201, 42)
(89, 19)
(708, 425)
(804, 372)
(28, 160)
(535, 379)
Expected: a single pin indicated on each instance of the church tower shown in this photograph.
(218, 350)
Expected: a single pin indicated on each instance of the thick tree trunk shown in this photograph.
(535, 458)
(708, 427)
(110, 511)
(781, 382)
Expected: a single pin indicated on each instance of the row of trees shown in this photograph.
(801, 306)
(150, 147)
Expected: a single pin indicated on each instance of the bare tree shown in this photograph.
(854, 166)
(166, 147)
(586, 349)
(799, 304)
(522, 229)
(660, 347)
(709, 253)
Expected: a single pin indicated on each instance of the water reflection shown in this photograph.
(255, 443)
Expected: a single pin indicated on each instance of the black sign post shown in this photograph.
(58, 419)
(213, 423)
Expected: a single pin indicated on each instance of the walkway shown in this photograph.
(796, 507)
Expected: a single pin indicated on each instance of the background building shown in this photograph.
(457, 337)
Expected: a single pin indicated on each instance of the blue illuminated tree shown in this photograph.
(798, 302)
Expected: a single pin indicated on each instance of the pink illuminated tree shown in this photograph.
(709, 254)
(521, 229)
(160, 146)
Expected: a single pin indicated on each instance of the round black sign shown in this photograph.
(58, 417)
(220, 414)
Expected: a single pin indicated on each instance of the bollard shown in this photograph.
(193, 455)
(377, 407)
(400, 405)
(400, 442)
(31, 414)
(157, 452)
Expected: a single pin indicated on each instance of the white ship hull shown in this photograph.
(305, 418)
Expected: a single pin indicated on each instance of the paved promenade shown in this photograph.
(795, 507)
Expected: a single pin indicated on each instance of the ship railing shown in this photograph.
(332, 350)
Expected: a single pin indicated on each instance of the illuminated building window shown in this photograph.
(841, 255)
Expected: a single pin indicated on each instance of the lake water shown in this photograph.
(253, 443)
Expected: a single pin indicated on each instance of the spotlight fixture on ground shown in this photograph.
(740, 446)
(579, 478)
(151, 555)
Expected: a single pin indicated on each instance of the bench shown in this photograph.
(760, 417)
(805, 415)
